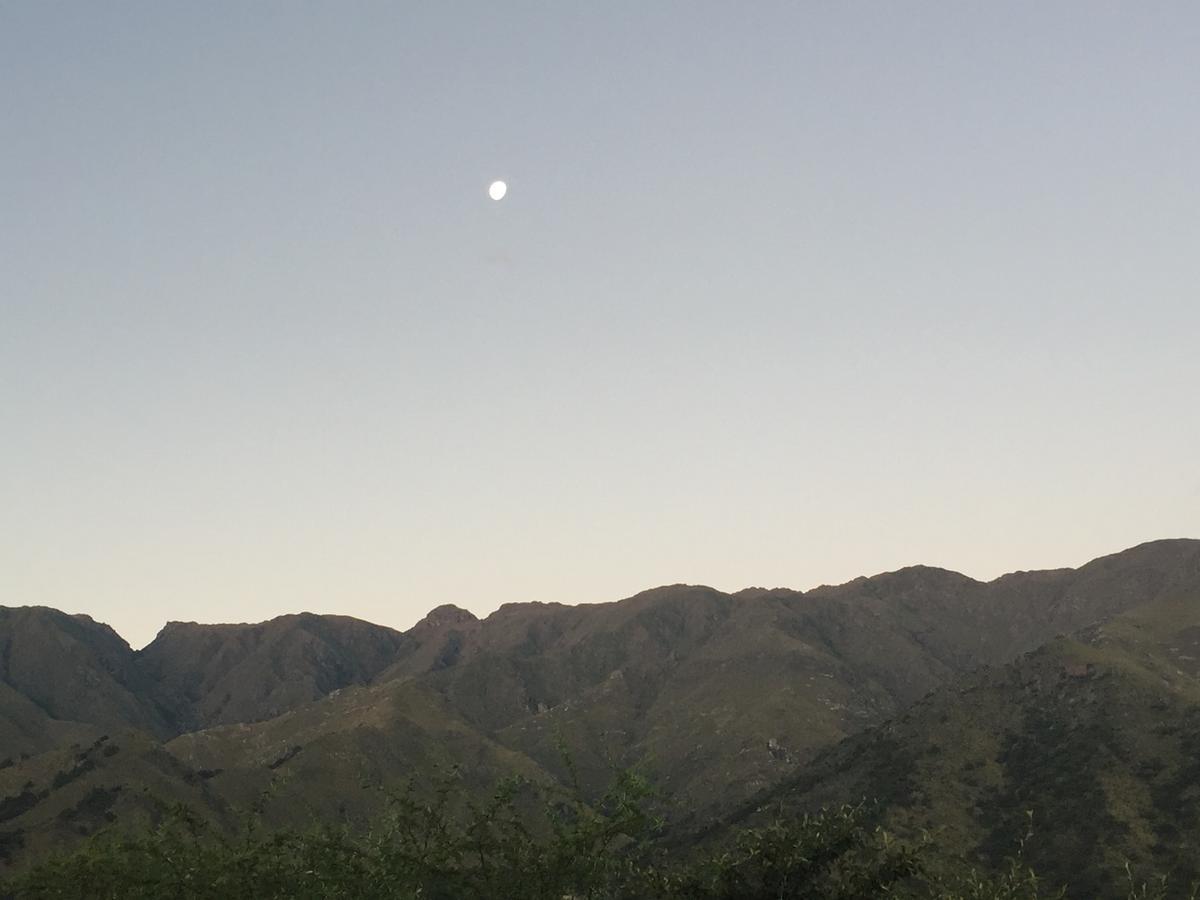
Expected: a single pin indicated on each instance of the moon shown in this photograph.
(497, 190)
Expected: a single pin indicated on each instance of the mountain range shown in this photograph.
(960, 705)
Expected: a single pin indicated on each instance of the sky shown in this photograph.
(781, 294)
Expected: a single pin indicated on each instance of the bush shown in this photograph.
(528, 842)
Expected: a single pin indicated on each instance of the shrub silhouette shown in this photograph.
(526, 841)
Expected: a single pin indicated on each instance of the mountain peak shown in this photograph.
(447, 614)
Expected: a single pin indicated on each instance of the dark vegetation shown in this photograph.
(527, 842)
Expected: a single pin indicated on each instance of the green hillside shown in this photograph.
(909, 687)
(1098, 736)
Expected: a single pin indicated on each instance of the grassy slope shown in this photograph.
(53, 799)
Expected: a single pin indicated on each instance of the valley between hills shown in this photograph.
(960, 706)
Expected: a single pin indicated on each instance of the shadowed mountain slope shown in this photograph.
(719, 698)
(1098, 735)
(221, 674)
(25, 728)
(718, 695)
(58, 671)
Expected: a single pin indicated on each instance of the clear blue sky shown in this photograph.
(780, 294)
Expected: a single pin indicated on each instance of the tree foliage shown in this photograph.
(529, 842)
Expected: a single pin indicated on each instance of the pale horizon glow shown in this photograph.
(788, 294)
